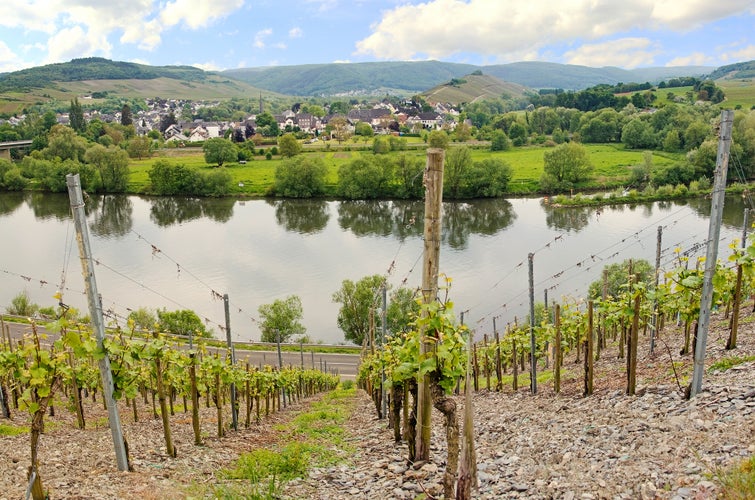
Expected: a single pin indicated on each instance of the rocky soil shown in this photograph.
(655, 444)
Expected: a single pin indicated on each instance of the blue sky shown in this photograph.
(226, 34)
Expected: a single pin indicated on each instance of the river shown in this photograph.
(178, 253)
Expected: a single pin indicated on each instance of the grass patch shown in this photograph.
(612, 164)
(724, 364)
(13, 430)
(738, 483)
(314, 438)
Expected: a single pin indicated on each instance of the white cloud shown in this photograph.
(624, 52)
(9, 61)
(694, 59)
(743, 54)
(208, 66)
(260, 36)
(74, 42)
(507, 29)
(295, 32)
(280, 45)
(197, 13)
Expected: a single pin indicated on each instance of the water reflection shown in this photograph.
(9, 202)
(166, 211)
(48, 206)
(301, 216)
(484, 217)
(381, 218)
(569, 218)
(112, 215)
(733, 211)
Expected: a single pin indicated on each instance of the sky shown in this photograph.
(229, 34)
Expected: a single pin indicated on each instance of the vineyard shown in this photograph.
(640, 309)
(154, 381)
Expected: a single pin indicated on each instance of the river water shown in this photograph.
(179, 253)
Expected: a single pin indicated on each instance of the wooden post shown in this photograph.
(654, 317)
(232, 353)
(731, 343)
(163, 406)
(487, 362)
(194, 398)
(632, 340)
(433, 181)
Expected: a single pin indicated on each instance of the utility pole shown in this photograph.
(95, 312)
(232, 351)
(711, 254)
(433, 182)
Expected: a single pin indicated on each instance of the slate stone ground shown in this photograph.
(655, 444)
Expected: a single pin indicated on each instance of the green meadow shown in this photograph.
(612, 164)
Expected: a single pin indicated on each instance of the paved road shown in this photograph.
(345, 365)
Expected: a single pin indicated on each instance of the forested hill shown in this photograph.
(95, 68)
(738, 70)
(335, 78)
(418, 76)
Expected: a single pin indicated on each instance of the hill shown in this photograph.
(415, 77)
(473, 87)
(373, 78)
(732, 71)
(64, 81)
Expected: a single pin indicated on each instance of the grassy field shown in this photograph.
(738, 93)
(611, 161)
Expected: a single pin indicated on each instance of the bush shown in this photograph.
(301, 177)
(665, 191)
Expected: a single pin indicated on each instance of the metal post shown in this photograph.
(95, 312)
(533, 345)
(654, 317)
(384, 329)
(280, 362)
(301, 351)
(711, 254)
(232, 350)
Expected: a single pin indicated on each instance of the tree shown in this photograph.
(499, 141)
(356, 300)
(282, 317)
(403, 308)
(140, 147)
(219, 151)
(112, 165)
(126, 116)
(564, 166)
(364, 129)
(64, 143)
(76, 116)
(458, 161)
(380, 145)
(143, 319)
(339, 128)
(366, 177)
(266, 125)
(638, 134)
(181, 322)
(166, 121)
(438, 139)
(300, 177)
(618, 275)
(289, 146)
(488, 178)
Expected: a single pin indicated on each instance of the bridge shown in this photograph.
(5, 147)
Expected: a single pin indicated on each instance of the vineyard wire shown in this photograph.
(156, 251)
(580, 264)
(42, 282)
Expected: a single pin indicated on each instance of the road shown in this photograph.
(345, 365)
